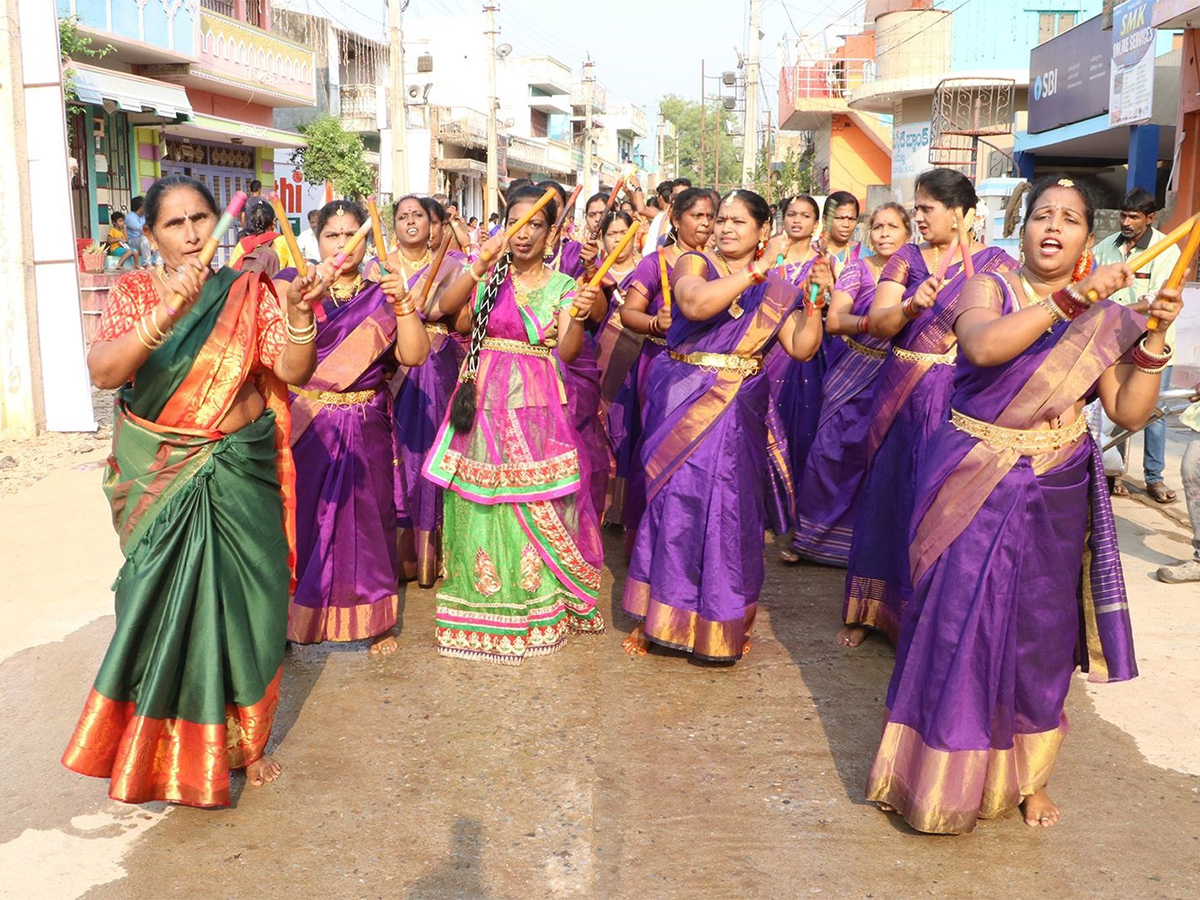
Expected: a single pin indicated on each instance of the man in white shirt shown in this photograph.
(307, 239)
(1136, 234)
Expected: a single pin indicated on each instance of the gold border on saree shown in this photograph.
(521, 348)
(714, 362)
(436, 328)
(662, 342)
(335, 398)
(934, 359)
(863, 349)
(1027, 442)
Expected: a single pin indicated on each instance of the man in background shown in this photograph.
(1138, 209)
(307, 240)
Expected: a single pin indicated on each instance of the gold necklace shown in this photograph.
(937, 259)
(522, 291)
(341, 293)
(735, 308)
(411, 267)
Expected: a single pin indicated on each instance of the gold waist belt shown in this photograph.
(436, 328)
(662, 342)
(934, 359)
(334, 398)
(864, 349)
(1027, 442)
(507, 345)
(714, 362)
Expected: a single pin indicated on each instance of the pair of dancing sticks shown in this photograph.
(381, 254)
(285, 228)
(1190, 229)
(209, 250)
(962, 247)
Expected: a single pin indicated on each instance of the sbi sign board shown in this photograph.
(1069, 76)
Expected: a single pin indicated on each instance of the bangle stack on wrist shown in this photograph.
(1070, 302)
(909, 308)
(864, 324)
(301, 336)
(144, 335)
(404, 306)
(1151, 363)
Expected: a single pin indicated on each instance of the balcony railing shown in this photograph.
(527, 152)
(360, 109)
(826, 79)
(224, 7)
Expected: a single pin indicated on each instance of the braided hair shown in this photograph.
(463, 406)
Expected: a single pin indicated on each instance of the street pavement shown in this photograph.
(584, 774)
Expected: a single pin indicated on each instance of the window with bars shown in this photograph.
(1052, 24)
(224, 7)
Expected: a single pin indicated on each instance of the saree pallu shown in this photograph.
(831, 481)
(697, 566)
(343, 446)
(911, 400)
(1017, 580)
(625, 416)
(792, 385)
(522, 549)
(190, 682)
(422, 397)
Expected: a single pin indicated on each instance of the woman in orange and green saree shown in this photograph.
(201, 486)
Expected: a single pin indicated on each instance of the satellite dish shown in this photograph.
(503, 50)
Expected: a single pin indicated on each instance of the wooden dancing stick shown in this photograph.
(351, 245)
(289, 238)
(964, 242)
(569, 205)
(1148, 255)
(1181, 266)
(608, 206)
(377, 227)
(434, 268)
(516, 226)
(609, 260)
(944, 265)
(209, 250)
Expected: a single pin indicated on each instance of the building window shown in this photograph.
(1052, 24)
(539, 122)
(224, 7)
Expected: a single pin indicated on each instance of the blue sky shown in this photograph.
(644, 49)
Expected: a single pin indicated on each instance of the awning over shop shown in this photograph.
(463, 165)
(130, 93)
(214, 128)
(1090, 139)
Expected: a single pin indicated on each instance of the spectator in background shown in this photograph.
(262, 249)
(133, 233)
(254, 199)
(493, 224)
(1189, 471)
(1137, 233)
(118, 242)
(473, 228)
(307, 240)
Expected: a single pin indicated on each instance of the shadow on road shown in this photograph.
(459, 875)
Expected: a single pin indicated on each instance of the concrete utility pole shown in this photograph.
(589, 81)
(491, 196)
(750, 131)
(399, 104)
(703, 105)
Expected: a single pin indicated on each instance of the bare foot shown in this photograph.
(886, 807)
(1040, 811)
(384, 644)
(852, 636)
(788, 556)
(262, 771)
(637, 644)
(747, 646)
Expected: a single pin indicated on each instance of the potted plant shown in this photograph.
(92, 258)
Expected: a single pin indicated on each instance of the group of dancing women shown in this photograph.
(290, 449)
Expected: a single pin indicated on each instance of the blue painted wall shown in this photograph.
(998, 34)
(125, 21)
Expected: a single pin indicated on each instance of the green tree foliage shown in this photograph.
(336, 156)
(785, 177)
(74, 46)
(699, 166)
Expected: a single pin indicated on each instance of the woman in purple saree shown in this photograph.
(342, 443)
(697, 566)
(830, 483)
(912, 393)
(1016, 573)
(647, 312)
(422, 394)
(795, 386)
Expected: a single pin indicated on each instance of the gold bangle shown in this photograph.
(471, 274)
(162, 335)
(404, 308)
(301, 336)
(145, 340)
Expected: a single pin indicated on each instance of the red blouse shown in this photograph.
(134, 297)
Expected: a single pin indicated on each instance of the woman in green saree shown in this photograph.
(202, 492)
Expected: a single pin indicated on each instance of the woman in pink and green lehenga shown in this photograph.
(522, 545)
